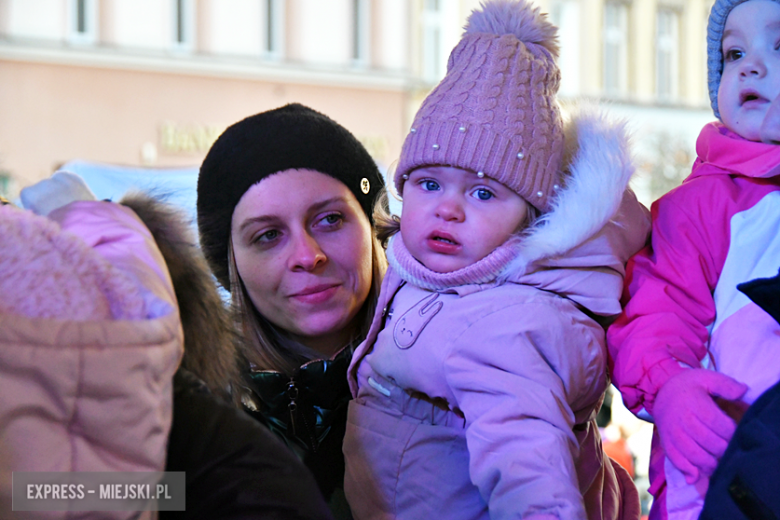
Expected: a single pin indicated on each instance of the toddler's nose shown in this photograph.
(450, 209)
(753, 65)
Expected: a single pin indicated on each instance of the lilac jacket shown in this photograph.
(715, 231)
(508, 361)
(84, 391)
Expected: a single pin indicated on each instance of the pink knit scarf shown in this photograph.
(483, 271)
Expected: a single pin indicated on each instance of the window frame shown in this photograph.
(667, 83)
(82, 14)
(615, 48)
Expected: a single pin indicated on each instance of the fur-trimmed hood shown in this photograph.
(211, 344)
(580, 247)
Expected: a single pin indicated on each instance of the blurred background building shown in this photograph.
(152, 83)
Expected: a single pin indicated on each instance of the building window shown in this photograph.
(274, 28)
(83, 20)
(183, 24)
(565, 14)
(615, 49)
(667, 55)
(433, 64)
(360, 31)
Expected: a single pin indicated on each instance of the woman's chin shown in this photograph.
(325, 332)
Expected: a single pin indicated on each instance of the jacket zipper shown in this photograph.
(292, 393)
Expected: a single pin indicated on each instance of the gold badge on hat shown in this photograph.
(365, 186)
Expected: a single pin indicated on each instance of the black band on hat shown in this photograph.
(291, 137)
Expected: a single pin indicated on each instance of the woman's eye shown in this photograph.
(331, 220)
(267, 236)
(429, 185)
(483, 194)
(733, 55)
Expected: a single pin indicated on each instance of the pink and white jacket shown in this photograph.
(90, 337)
(476, 391)
(719, 229)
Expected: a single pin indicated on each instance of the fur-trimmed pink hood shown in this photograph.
(579, 249)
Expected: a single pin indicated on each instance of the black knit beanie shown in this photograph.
(290, 137)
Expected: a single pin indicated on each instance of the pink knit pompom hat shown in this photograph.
(495, 110)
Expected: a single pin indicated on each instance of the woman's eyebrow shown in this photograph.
(317, 206)
(262, 219)
(255, 220)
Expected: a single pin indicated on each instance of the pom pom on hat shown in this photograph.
(495, 110)
(521, 20)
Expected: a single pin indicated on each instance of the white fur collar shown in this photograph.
(597, 168)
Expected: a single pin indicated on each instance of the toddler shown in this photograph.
(477, 387)
(90, 338)
(691, 350)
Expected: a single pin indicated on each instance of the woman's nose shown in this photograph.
(450, 209)
(306, 254)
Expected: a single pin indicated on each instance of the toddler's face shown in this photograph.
(452, 218)
(751, 66)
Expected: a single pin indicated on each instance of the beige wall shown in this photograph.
(55, 113)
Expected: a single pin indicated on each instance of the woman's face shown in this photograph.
(302, 246)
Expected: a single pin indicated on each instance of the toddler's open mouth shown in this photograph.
(747, 96)
(443, 238)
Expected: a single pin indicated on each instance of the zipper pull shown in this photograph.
(292, 393)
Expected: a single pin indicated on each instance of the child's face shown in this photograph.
(751, 66)
(452, 218)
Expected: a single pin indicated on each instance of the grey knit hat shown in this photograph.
(717, 22)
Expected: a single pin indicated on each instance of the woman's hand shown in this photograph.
(694, 431)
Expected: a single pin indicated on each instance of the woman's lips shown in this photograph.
(316, 294)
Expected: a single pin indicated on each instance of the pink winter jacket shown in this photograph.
(84, 390)
(719, 229)
(512, 372)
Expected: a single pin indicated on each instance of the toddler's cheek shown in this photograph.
(770, 128)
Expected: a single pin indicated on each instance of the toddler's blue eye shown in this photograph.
(430, 185)
(483, 194)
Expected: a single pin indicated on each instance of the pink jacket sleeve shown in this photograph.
(668, 293)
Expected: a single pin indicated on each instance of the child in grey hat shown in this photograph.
(690, 350)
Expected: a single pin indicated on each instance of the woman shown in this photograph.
(285, 201)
